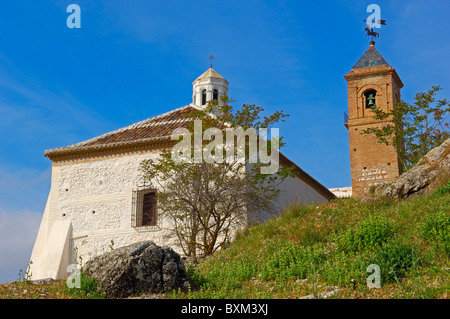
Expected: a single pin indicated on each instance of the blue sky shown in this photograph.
(131, 60)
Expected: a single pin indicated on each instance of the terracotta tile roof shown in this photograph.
(149, 133)
(150, 130)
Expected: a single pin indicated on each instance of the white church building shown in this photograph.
(97, 196)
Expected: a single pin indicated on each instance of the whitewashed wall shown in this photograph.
(293, 190)
(95, 196)
(93, 199)
(104, 187)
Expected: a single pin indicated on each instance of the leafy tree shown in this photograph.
(413, 129)
(206, 199)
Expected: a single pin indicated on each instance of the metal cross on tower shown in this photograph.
(211, 57)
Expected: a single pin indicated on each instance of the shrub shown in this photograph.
(367, 234)
(345, 269)
(88, 284)
(88, 287)
(196, 279)
(395, 259)
(293, 262)
(436, 229)
(443, 189)
(222, 276)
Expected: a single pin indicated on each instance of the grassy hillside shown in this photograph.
(310, 248)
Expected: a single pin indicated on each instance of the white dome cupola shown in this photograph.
(209, 86)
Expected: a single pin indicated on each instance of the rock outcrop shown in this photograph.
(419, 179)
(141, 267)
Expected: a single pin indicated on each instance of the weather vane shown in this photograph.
(373, 21)
(211, 57)
(369, 29)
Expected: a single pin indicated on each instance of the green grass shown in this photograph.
(58, 289)
(53, 290)
(311, 247)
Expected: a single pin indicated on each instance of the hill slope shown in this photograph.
(319, 251)
(312, 249)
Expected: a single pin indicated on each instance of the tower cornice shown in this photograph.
(357, 74)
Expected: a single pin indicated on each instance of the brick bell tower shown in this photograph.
(371, 82)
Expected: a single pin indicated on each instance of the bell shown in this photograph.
(371, 100)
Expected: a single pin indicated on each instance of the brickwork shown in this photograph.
(371, 162)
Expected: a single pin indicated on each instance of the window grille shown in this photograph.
(144, 215)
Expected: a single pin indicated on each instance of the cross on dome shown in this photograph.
(211, 58)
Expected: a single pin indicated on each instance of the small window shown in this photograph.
(215, 94)
(370, 98)
(149, 209)
(145, 208)
(203, 97)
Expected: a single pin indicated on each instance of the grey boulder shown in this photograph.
(141, 267)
